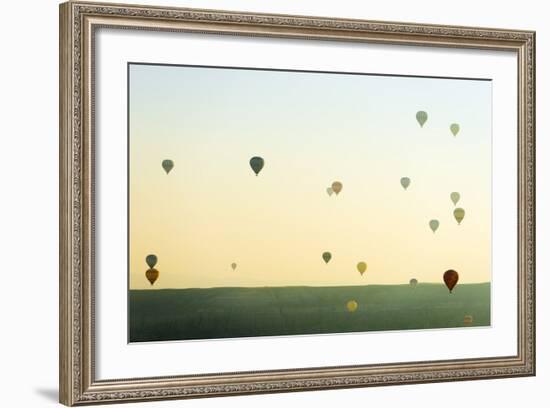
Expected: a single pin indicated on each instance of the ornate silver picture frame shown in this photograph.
(79, 23)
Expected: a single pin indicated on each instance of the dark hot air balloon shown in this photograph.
(233, 266)
(327, 256)
(413, 282)
(405, 182)
(257, 164)
(151, 260)
(152, 275)
(450, 278)
(167, 165)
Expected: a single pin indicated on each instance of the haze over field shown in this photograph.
(311, 129)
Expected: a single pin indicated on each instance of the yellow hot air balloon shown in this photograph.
(455, 128)
(361, 267)
(468, 320)
(459, 214)
(351, 306)
(337, 187)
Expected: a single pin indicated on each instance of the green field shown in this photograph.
(181, 314)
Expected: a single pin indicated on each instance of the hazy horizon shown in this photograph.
(312, 129)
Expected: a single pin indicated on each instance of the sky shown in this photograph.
(311, 129)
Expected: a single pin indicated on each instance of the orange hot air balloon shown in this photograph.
(468, 319)
(152, 275)
(337, 187)
(450, 278)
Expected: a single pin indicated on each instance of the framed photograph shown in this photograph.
(256, 203)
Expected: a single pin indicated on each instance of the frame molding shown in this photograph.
(78, 21)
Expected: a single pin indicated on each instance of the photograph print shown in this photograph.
(277, 202)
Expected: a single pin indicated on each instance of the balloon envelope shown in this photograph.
(233, 266)
(405, 182)
(450, 278)
(361, 267)
(459, 214)
(257, 164)
(152, 275)
(468, 319)
(455, 197)
(330, 191)
(421, 117)
(413, 282)
(337, 187)
(151, 260)
(434, 225)
(327, 256)
(455, 128)
(167, 165)
(351, 306)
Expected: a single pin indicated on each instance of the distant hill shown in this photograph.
(181, 314)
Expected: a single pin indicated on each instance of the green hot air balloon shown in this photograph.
(455, 197)
(361, 267)
(257, 164)
(455, 128)
(337, 187)
(330, 191)
(405, 182)
(459, 214)
(327, 256)
(434, 225)
(233, 266)
(151, 260)
(421, 118)
(167, 165)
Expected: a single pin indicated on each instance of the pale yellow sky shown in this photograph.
(311, 129)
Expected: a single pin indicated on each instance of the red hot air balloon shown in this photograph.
(450, 278)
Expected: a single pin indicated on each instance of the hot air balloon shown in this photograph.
(455, 128)
(167, 165)
(151, 260)
(434, 225)
(405, 182)
(152, 275)
(327, 256)
(233, 266)
(337, 187)
(361, 267)
(450, 278)
(351, 306)
(421, 117)
(459, 214)
(468, 320)
(257, 164)
(330, 191)
(455, 197)
(413, 282)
